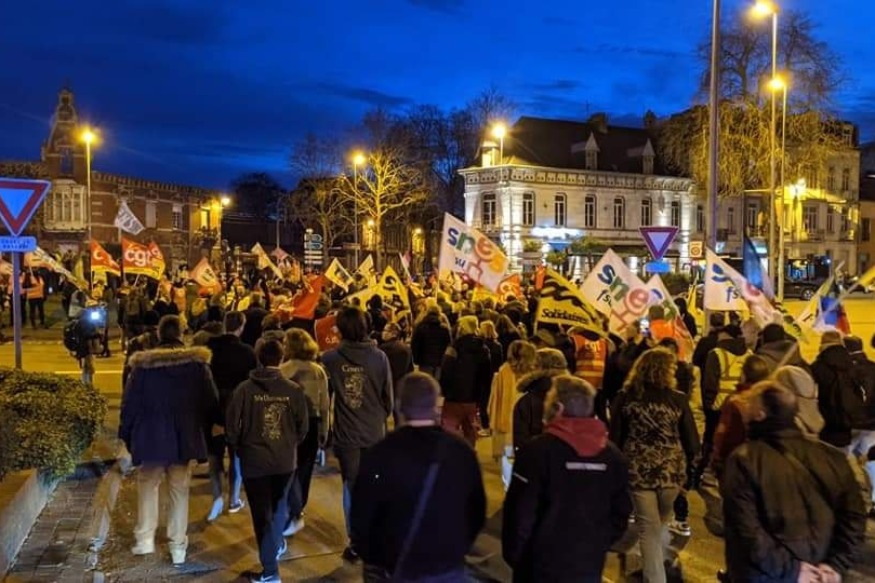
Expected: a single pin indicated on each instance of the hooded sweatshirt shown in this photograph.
(267, 419)
(361, 381)
(782, 352)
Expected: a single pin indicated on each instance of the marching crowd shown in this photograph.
(604, 438)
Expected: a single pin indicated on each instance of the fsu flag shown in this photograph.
(127, 221)
(204, 275)
(101, 262)
(139, 259)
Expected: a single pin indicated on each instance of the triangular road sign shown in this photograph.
(658, 239)
(19, 199)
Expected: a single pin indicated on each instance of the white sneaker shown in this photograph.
(294, 527)
(236, 507)
(177, 557)
(216, 510)
(140, 549)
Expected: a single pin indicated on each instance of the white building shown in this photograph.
(555, 181)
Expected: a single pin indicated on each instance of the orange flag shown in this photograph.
(511, 286)
(101, 261)
(139, 259)
(306, 301)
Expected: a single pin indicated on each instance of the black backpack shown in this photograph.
(72, 335)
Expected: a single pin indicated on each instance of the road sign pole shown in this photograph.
(17, 311)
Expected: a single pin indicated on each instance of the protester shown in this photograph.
(863, 430)
(687, 317)
(792, 507)
(431, 337)
(397, 351)
(521, 360)
(569, 498)
(266, 422)
(360, 379)
(653, 426)
(170, 404)
(779, 349)
(376, 317)
(707, 343)
(255, 314)
(841, 404)
(487, 332)
(419, 501)
(145, 341)
(466, 373)
(528, 413)
(35, 291)
(808, 418)
(231, 363)
(507, 331)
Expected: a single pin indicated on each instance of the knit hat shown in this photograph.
(550, 359)
(831, 338)
(803, 386)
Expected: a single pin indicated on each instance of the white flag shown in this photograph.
(264, 261)
(127, 221)
(615, 291)
(726, 289)
(367, 267)
(467, 251)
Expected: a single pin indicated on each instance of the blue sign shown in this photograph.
(17, 244)
(657, 267)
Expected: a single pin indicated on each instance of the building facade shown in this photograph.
(555, 181)
(185, 221)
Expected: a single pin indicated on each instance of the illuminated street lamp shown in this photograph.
(499, 131)
(358, 159)
(225, 200)
(89, 137)
(777, 84)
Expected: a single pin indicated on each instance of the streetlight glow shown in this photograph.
(358, 159)
(764, 8)
(499, 131)
(225, 200)
(777, 84)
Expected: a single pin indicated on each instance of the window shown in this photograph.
(648, 165)
(151, 214)
(619, 213)
(751, 215)
(487, 211)
(866, 230)
(809, 218)
(63, 209)
(528, 209)
(730, 219)
(700, 218)
(831, 179)
(830, 219)
(592, 160)
(646, 212)
(589, 218)
(559, 210)
(176, 217)
(846, 222)
(66, 161)
(846, 179)
(675, 213)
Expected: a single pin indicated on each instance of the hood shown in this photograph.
(836, 357)
(468, 342)
(168, 357)
(736, 346)
(588, 436)
(266, 376)
(778, 347)
(539, 380)
(357, 352)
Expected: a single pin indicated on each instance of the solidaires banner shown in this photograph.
(561, 303)
(467, 251)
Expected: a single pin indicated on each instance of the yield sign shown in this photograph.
(19, 199)
(658, 239)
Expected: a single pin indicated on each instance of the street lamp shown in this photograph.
(764, 9)
(499, 130)
(779, 84)
(225, 201)
(358, 159)
(89, 137)
(714, 128)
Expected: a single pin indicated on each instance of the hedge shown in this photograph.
(46, 421)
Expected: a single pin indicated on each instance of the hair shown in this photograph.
(417, 396)
(670, 343)
(779, 403)
(755, 369)
(656, 313)
(270, 322)
(717, 320)
(575, 394)
(551, 359)
(504, 325)
(467, 325)
(733, 330)
(215, 313)
(522, 357)
(300, 345)
(269, 353)
(256, 300)
(391, 331)
(352, 325)
(169, 328)
(376, 302)
(487, 330)
(234, 321)
(854, 343)
(655, 369)
(681, 304)
(773, 333)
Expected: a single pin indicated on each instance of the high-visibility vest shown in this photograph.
(37, 289)
(589, 359)
(731, 366)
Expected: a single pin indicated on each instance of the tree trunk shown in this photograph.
(378, 245)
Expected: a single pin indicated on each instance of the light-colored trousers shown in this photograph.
(653, 510)
(148, 482)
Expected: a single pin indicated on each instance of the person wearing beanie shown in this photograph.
(528, 413)
(808, 418)
(779, 349)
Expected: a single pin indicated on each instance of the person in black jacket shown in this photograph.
(689, 320)
(267, 419)
(466, 371)
(145, 341)
(399, 354)
(569, 499)
(417, 464)
(255, 314)
(430, 340)
(863, 436)
(528, 413)
(231, 363)
(839, 397)
(792, 507)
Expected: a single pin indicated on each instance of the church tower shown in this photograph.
(63, 152)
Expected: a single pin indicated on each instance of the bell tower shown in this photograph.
(63, 153)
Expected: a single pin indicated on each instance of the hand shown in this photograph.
(808, 573)
(828, 574)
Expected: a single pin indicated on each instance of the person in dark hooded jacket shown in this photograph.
(466, 371)
(528, 413)
(569, 498)
(779, 349)
(430, 340)
(838, 396)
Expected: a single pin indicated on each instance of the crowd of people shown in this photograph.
(605, 437)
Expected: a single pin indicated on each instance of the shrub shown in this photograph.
(532, 246)
(46, 421)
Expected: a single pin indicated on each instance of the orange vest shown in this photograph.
(589, 359)
(660, 329)
(37, 289)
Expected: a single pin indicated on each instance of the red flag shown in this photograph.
(101, 262)
(307, 299)
(510, 286)
(205, 276)
(326, 333)
(539, 277)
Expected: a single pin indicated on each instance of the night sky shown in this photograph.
(198, 92)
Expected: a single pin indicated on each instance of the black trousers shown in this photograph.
(299, 493)
(268, 503)
(712, 419)
(37, 306)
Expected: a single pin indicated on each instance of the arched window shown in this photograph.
(619, 213)
(559, 209)
(487, 210)
(646, 212)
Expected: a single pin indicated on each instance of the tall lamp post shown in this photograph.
(714, 128)
(358, 159)
(89, 137)
(778, 84)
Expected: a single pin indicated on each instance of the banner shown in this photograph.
(511, 286)
(810, 319)
(139, 259)
(561, 303)
(726, 289)
(326, 333)
(127, 221)
(405, 264)
(615, 291)
(264, 261)
(5, 267)
(280, 254)
(466, 250)
(368, 270)
(306, 301)
(39, 258)
(338, 275)
(204, 275)
(390, 288)
(659, 296)
(101, 261)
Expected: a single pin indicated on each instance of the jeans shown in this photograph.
(861, 443)
(712, 419)
(461, 419)
(217, 470)
(268, 503)
(148, 481)
(300, 490)
(653, 509)
(349, 459)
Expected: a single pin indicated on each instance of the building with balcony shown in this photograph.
(866, 237)
(554, 181)
(185, 221)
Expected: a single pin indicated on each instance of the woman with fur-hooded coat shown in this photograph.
(528, 413)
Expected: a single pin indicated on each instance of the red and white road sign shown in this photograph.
(19, 200)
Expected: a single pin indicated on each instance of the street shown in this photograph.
(224, 550)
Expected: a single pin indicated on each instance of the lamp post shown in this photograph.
(224, 202)
(714, 128)
(89, 137)
(358, 159)
(499, 131)
(778, 84)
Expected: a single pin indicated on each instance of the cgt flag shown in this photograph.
(139, 259)
(127, 221)
(101, 261)
(205, 276)
(561, 303)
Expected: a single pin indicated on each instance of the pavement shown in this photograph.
(85, 532)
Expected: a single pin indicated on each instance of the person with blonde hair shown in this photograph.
(466, 372)
(522, 359)
(487, 332)
(652, 424)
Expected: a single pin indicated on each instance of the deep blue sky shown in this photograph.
(198, 91)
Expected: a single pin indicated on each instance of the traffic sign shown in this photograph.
(19, 200)
(696, 249)
(17, 244)
(657, 267)
(658, 239)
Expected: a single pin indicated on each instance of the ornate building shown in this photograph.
(185, 221)
(554, 181)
